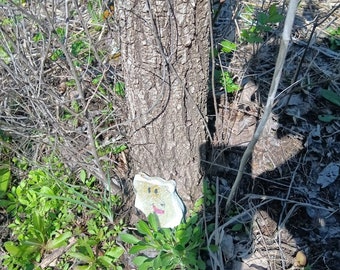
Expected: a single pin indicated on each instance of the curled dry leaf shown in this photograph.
(300, 259)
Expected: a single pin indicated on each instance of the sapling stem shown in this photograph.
(271, 96)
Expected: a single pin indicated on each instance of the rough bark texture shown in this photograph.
(165, 57)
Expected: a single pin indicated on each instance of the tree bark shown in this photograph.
(165, 54)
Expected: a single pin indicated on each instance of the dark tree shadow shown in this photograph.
(282, 218)
(282, 208)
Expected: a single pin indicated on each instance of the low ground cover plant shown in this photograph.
(49, 211)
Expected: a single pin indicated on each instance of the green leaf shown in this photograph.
(228, 46)
(228, 84)
(119, 149)
(5, 178)
(262, 18)
(139, 247)
(184, 236)
(139, 260)
(153, 221)
(12, 249)
(167, 232)
(274, 15)
(128, 238)
(37, 37)
(85, 267)
(143, 228)
(38, 224)
(179, 248)
(77, 46)
(237, 227)
(106, 261)
(115, 252)
(47, 190)
(201, 264)
(56, 54)
(82, 175)
(4, 56)
(164, 261)
(21, 251)
(119, 89)
(276, 18)
(327, 118)
(147, 265)
(81, 257)
(273, 10)
(59, 241)
(331, 96)
(213, 248)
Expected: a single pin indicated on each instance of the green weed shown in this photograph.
(334, 38)
(227, 82)
(5, 178)
(263, 23)
(119, 89)
(228, 46)
(45, 209)
(177, 248)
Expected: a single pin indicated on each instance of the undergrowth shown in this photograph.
(62, 146)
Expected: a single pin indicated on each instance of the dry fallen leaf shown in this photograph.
(300, 259)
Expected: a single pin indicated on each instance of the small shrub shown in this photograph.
(176, 248)
(264, 22)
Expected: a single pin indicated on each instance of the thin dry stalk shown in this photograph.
(271, 97)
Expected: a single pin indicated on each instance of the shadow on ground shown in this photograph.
(283, 208)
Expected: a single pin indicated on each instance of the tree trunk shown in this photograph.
(165, 53)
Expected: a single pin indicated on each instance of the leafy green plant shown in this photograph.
(108, 149)
(61, 33)
(38, 37)
(56, 54)
(5, 178)
(119, 88)
(227, 82)
(175, 248)
(334, 38)
(264, 22)
(37, 222)
(97, 250)
(77, 47)
(71, 82)
(228, 46)
(44, 208)
(209, 192)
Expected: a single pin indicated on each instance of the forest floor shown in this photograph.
(286, 214)
(289, 197)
